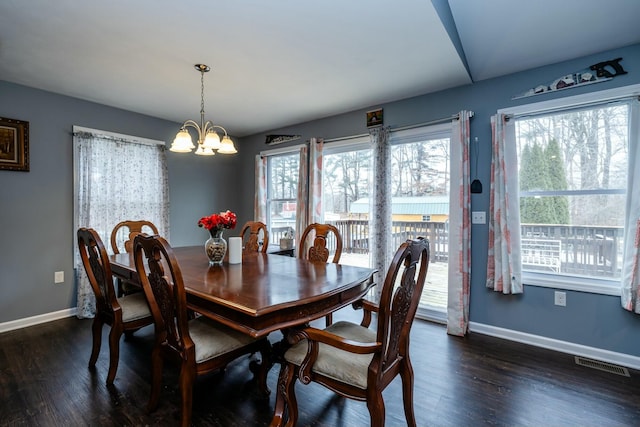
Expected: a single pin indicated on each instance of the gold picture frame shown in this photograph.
(374, 118)
(14, 145)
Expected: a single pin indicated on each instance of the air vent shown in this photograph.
(602, 366)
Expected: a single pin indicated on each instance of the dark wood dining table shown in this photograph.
(264, 293)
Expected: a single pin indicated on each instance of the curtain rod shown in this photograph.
(417, 125)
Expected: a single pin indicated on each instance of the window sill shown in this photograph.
(572, 283)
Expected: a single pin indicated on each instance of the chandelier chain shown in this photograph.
(201, 92)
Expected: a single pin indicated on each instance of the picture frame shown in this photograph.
(374, 118)
(14, 145)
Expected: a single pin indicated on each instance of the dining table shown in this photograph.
(265, 292)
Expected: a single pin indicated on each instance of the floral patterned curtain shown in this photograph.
(459, 228)
(260, 201)
(118, 178)
(309, 188)
(630, 291)
(504, 266)
(380, 224)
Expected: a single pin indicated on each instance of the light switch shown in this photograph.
(58, 277)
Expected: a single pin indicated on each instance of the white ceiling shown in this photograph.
(284, 62)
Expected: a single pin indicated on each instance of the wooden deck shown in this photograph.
(434, 294)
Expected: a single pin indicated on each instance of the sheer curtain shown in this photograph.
(260, 202)
(459, 228)
(117, 178)
(303, 194)
(380, 224)
(630, 291)
(504, 267)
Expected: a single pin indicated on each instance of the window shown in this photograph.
(420, 181)
(572, 165)
(345, 196)
(282, 193)
(117, 177)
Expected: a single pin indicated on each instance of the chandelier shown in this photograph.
(208, 139)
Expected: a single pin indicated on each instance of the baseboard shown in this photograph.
(36, 320)
(621, 359)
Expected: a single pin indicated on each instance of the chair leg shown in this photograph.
(265, 366)
(187, 377)
(290, 396)
(406, 373)
(97, 340)
(156, 379)
(282, 399)
(114, 352)
(329, 319)
(375, 404)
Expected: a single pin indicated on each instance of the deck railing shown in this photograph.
(574, 250)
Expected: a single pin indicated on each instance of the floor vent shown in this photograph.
(602, 366)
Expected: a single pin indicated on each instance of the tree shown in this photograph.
(556, 180)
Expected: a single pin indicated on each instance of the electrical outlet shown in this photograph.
(58, 277)
(560, 298)
(478, 217)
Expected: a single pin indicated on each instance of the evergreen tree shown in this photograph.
(537, 210)
(557, 180)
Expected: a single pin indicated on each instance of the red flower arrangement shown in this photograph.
(216, 222)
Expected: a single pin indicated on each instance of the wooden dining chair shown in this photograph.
(132, 229)
(124, 315)
(353, 360)
(199, 345)
(128, 230)
(319, 250)
(251, 242)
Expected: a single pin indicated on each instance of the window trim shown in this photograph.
(549, 280)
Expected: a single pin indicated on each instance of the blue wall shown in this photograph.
(36, 207)
(588, 319)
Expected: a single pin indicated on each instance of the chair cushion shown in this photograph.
(212, 338)
(134, 307)
(339, 364)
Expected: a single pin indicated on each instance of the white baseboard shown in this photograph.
(621, 359)
(36, 320)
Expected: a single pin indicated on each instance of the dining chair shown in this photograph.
(129, 229)
(132, 228)
(319, 250)
(125, 315)
(353, 360)
(252, 242)
(199, 345)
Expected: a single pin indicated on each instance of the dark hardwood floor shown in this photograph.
(472, 381)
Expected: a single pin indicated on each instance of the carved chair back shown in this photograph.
(98, 268)
(251, 242)
(399, 300)
(319, 251)
(165, 292)
(134, 228)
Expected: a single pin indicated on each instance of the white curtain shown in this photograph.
(260, 201)
(117, 179)
(630, 291)
(380, 224)
(314, 207)
(459, 228)
(303, 195)
(504, 267)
